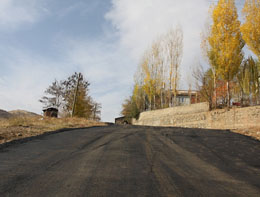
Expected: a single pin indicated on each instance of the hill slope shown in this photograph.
(23, 113)
(4, 114)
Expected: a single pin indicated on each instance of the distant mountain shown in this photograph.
(23, 113)
(4, 114)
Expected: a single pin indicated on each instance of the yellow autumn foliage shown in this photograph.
(251, 27)
(225, 39)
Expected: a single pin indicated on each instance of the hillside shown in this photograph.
(16, 113)
(4, 114)
(22, 113)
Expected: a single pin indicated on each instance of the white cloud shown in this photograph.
(14, 13)
(27, 78)
(139, 22)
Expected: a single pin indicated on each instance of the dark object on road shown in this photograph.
(51, 112)
(121, 121)
(109, 123)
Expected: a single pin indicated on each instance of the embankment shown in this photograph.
(199, 116)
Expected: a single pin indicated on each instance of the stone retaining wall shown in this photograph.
(199, 116)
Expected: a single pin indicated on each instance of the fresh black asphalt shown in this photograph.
(132, 161)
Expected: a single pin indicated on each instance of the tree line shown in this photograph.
(157, 76)
(71, 97)
(232, 78)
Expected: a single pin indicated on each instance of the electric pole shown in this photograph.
(75, 95)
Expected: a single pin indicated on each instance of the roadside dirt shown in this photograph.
(253, 132)
(19, 128)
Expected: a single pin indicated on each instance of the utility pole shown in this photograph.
(95, 109)
(75, 95)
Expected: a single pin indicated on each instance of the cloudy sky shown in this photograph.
(43, 40)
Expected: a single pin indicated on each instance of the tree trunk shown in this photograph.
(170, 91)
(170, 98)
(150, 103)
(228, 94)
(242, 98)
(154, 103)
(215, 92)
(175, 98)
(258, 83)
(161, 99)
(190, 98)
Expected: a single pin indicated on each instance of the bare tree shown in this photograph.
(190, 82)
(204, 81)
(71, 96)
(157, 74)
(174, 51)
(210, 58)
(54, 95)
(96, 111)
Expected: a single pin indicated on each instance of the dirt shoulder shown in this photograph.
(253, 132)
(23, 127)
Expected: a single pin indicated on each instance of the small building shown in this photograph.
(185, 97)
(121, 120)
(51, 112)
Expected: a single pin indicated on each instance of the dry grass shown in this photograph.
(21, 127)
(253, 132)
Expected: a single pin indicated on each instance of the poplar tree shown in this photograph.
(248, 79)
(174, 52)
(148, 80)
(251, 28)
(226, 41)
(251, 34)
(157, 75)
(210, 58)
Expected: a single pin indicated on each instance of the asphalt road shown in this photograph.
(132, 161)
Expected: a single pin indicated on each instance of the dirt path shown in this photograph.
(132, 161)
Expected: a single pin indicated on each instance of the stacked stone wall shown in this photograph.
(199, 116)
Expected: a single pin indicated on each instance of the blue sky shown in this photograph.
(41, 40)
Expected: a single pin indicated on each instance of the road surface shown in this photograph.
(132, 161)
